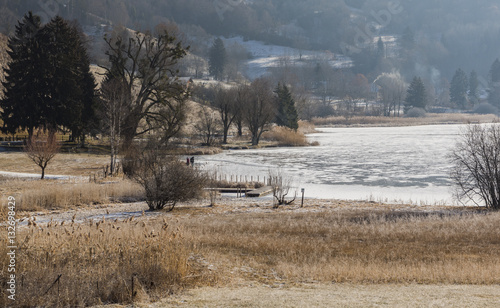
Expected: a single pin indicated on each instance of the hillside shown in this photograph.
(4, 57)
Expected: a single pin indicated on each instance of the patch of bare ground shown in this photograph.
(63, 164)
(337, 295)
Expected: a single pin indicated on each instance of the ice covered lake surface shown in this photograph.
(388, 164)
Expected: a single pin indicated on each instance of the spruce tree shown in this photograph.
(474, 87)
(217, 59)
(287, 113)
(495, 71)
(24, 83)
(49, 83)
(494, 94)
(416, 96)
(458, 89)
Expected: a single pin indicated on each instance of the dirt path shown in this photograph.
(339, 295)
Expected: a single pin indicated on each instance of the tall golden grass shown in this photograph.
(402, 121)
(285, 136)
(98, 263)
(36, 195)
(355, 246)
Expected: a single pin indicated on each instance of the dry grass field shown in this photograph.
(430, 119)
(242, 246)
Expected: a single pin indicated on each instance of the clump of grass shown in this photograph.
(356, 246)
(285, 136)
(307, 127)
(99, 263)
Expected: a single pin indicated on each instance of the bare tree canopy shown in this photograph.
(145, 64)
(476, 160)
(42, 149)
(259, 107)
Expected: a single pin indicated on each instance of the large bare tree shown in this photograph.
(145, 65)
(259, 108)
(476, 160)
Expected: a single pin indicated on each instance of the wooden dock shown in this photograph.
(248, 192)
(266, 190)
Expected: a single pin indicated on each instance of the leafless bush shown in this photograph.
(282, 187)
(42, 149)
(166, 179)
(476, 160)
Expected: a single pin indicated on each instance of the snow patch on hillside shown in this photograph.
(264, 56)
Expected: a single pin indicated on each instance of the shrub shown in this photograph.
(485, 108)
(167, 180)
(286, 136)
(416, 113)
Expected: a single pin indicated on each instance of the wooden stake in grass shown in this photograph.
(42, 149)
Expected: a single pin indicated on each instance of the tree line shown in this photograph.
(49, 86)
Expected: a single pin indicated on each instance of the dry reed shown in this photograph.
(286, 137)
(99, 263)
(35, 195)
(431, 119)
(454, 247)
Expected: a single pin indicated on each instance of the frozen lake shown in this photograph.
(390, 164)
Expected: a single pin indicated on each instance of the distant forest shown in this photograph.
(448, 33)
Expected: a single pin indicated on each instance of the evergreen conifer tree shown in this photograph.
(458, 89)
(24, 83)
(416, 96)
(495, 71)
(473, 87)
(49, 82)
(287, 113)
(217, 59)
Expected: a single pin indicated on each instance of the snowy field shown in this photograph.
(389, 164)
(268, 56)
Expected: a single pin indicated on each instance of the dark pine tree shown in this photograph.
(287, 113)
(64, 74)
(473, 88)
(217, 59)
(416, 95)
(21, 106)
(495, 71)
(458, 89)
(494, 92)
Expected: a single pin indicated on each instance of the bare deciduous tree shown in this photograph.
(259, 108)
(113, 110)
(208, 125)
(476, 171)
(42, 149)
(146, 65)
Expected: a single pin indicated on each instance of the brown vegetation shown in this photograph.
(33, 195)
(99, 262)
(354, 246)
(431, 119)
(284, 136)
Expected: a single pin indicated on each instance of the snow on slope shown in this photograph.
(269, 56)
